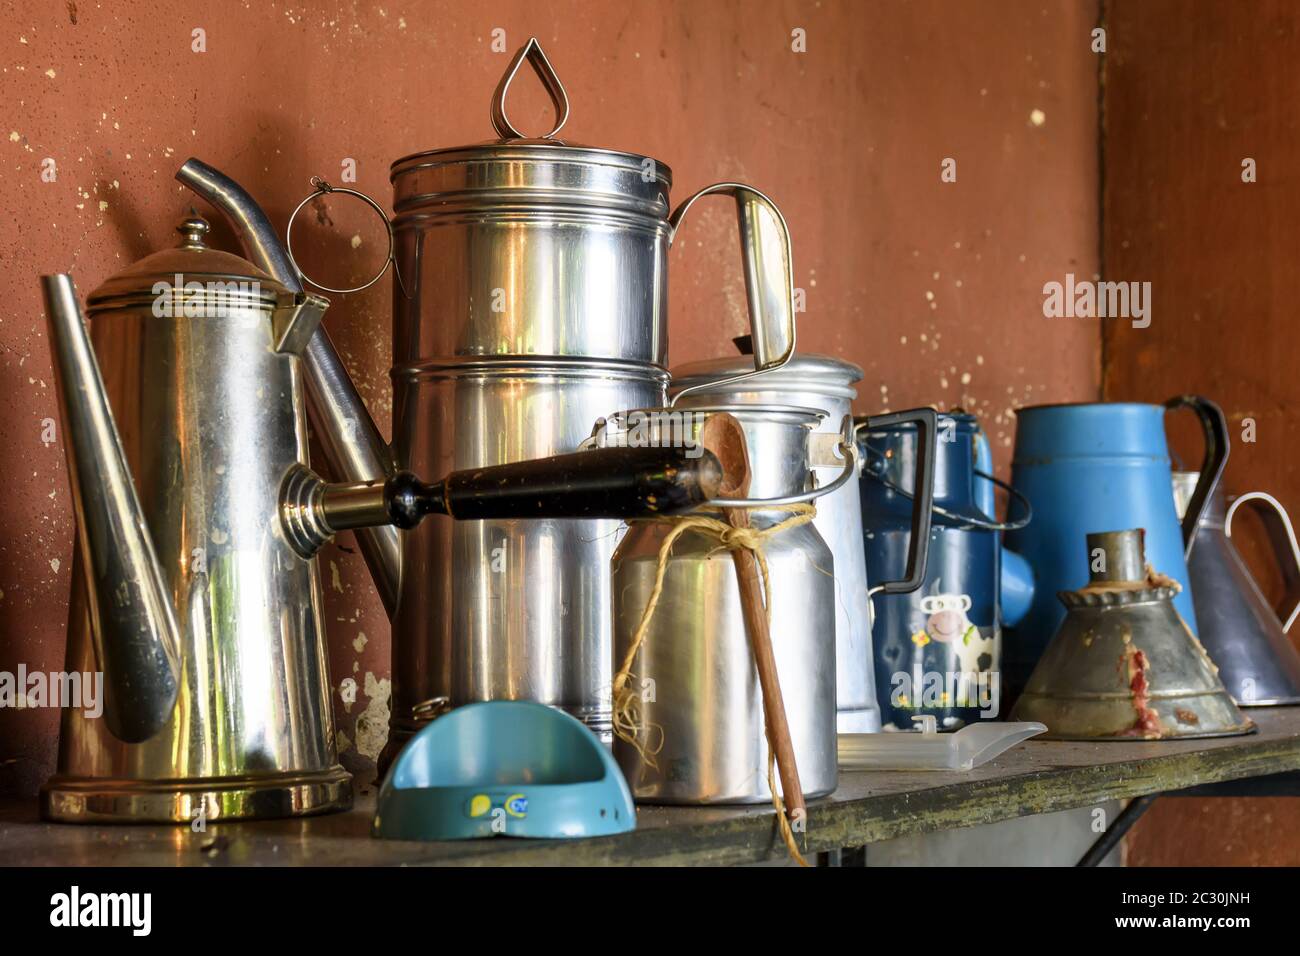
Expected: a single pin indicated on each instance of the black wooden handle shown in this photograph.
(602, 483)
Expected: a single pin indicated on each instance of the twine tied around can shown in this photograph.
(626, 718)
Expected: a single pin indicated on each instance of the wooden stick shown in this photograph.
(723, 436)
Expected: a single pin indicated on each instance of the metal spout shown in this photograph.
(296, 320)
(1117, 556)
(134, 629)
(354, 449)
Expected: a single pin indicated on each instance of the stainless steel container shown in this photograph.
(532, 300)
(203, 618)
(814, 381)
(496, 610)
(695, 676)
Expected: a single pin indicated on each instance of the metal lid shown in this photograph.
(805, 373)
(517, 168)
(190, 276)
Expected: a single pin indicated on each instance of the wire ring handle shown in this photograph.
(323, 188)
(966, 521)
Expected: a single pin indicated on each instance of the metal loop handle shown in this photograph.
(757, 271)
(965, 521)
(850, 452)
(323, 188)
(532, 52)
(1286, 523)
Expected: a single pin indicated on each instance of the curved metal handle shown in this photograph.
(846, 447)
(918, 547)
(1286, 523)
(532, 52)
(769, 277)
(1215, 427)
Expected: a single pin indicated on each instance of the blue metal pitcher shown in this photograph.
(937, 648)
(1093, 467)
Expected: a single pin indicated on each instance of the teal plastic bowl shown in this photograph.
(503, 768)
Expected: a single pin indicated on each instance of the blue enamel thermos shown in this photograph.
(1099, 467)
(938, 647)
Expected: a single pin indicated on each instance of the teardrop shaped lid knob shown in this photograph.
(532, 52)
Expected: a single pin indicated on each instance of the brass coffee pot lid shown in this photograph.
(1123, 665)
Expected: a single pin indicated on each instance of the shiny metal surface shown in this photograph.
(695, 671)
(515, 610)
(1123, 664)
(211, 417)
(535, 303)
(825, 383)
(1242, 633)
(135, 634)
(354, 449)
(531, 249)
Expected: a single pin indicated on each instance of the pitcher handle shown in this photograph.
(769, 276)
(1215, 428)
(1286, 523)
(918, 548)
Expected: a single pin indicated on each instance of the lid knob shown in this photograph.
(532, 52)
(192, 229)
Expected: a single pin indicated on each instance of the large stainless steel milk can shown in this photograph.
(822, 382)
(699, 707)
(532, 300)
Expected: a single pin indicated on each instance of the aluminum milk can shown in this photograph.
(814, 381)
(699, 699)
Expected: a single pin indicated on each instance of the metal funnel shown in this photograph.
(1123, 665)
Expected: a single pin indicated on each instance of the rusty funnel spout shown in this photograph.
(135, 634)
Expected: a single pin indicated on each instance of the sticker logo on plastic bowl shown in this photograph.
(517, 805)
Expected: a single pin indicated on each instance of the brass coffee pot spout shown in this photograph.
(135, 634)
